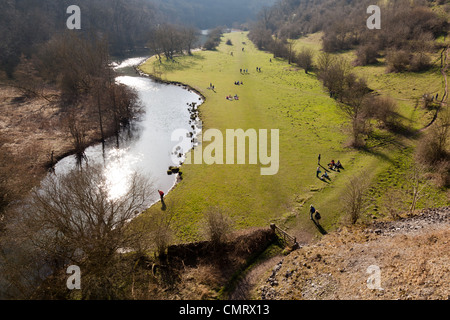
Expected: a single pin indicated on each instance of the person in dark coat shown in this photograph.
(312, 210)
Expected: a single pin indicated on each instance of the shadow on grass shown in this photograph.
(324, 180)
(372, 151)
(320, 228)
(176, 65)
(402, 130)
(378, 144)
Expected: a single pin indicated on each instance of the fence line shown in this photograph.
(286, 236)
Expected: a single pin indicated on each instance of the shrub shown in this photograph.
(210, 44)
(397, 60)
(394, 203)
(279, 49)
(217, 226)
(305, 59)
(383, 109)
(213, 40)
(420, 62)
(366, 54)
(355, 198)
(433, 147)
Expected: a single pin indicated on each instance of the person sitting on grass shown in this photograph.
(332, 165)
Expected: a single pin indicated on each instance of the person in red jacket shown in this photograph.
(161, 194)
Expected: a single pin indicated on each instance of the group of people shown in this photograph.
(313, 213)
(324, 176)
(258, 69)
(211, 87)
(335, 166)
(231, 98)
(244, 70)
(238, 83)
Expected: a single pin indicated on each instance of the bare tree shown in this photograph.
(324, 62)
(78, 133)
(394, 203)
(291, 54)
(190, 36)
(416, 183)
(217, 226)
(354, 105)
(74, 219)
(434, 146)
(384, 109)
(305, 59)
(160, 232)
(334, 74)
(355, 198)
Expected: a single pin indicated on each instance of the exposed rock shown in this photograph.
(412, 256)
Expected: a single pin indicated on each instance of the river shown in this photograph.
(147, 148)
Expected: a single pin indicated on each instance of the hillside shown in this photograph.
(412, 254)
(208, 14)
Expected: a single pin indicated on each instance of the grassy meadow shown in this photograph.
(282, 97)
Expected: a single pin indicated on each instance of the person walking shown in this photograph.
(318, 172)
(161, 194)
(312, 210)
(319, 160)
(317, 216)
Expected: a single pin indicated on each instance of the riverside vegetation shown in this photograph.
(310, 123)
(320, 82)
(385, 166)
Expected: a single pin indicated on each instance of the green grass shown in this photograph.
(405, 88)
(280, 97)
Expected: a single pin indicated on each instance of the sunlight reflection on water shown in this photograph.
(150, 150)
(120, 166)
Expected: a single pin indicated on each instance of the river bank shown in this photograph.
(33, 131)
(194, 116)
(168, 82)
(33, 135)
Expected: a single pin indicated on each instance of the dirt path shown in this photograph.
(411, 255)
(245, 289)
(245, 286)
(444, 69)
(443, 103)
